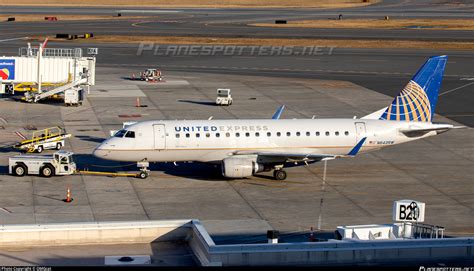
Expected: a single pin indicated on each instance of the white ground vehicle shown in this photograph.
(151, 75)
(60, 163)
(223, 96)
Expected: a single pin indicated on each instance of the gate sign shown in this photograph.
(408, 211)
(7, 69)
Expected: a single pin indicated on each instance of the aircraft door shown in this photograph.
(360, 130)
(159, 136)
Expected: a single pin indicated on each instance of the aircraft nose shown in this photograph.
(100, 152)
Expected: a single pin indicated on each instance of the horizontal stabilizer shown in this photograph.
(422, 131)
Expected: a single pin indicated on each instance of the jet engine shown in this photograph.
(240, 167)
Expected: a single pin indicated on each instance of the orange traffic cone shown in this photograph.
(68, 196)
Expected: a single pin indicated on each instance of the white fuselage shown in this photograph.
(215, 140)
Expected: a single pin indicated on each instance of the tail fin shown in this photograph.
(417, 101)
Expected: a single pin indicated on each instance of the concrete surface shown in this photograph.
(437, 170)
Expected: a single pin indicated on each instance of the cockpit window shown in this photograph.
(120, 133)
(130, 134)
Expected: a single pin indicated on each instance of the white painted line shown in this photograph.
(22, 38)
(5, 210)
(454, 89)
(148, 11)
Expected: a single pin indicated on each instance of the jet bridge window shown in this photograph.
(120, 133)
(130, 134)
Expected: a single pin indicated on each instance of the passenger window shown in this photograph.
(278, 134)
(177, 135)
(317, 133)
(288, 134)
(227, 134)
(337, 133)
(237, 134)
(218, 135)
(187, 135)
(198, 135)
(346, 133)
(308, 133)
(247, 134)
(208, 134)
(269, 134)
(257, 134)
(327, 133)
(298, 133)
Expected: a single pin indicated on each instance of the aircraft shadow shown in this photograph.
(91, 139)
(210, 103)
(4, 169)
(198, 171)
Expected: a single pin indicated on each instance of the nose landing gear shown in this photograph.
(144, 171)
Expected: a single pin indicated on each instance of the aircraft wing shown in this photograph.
(266, 156)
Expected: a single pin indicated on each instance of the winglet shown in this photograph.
(357, 147)
(278, 112)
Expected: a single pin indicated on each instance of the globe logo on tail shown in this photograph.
(412, 104)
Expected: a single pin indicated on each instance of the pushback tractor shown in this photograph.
(60, 163)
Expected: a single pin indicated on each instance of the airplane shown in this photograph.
(245, 147)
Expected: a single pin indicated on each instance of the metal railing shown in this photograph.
(420, 230)
(52, 52)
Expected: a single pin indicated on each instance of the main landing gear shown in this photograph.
(279, 174)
